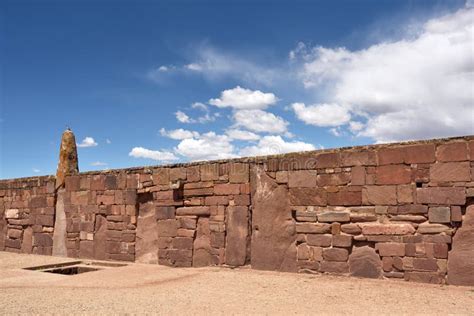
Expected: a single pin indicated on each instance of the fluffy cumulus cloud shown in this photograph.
(140, 152)
(260, 121)
(322, 114)
(271, 145)
(419, 87)
(244, 99)
(87, 142)
(182, 117)
(205, 147)
(239, 134)
(178, 133)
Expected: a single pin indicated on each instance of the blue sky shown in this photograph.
(152, 82)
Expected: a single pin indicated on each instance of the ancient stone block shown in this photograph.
(439, 214)
(333, 179)
(390, 249)
(242, 199)
(342, 241)
(358, 158)
(456, 214)
(193, 174)
(460, 263)
(386, 229)
(405, 193)
(358, 175)
(364, 262)
(345, 197)
(201, 256)
(273, 245)
(441, 195)
(177, 173)
(303, 252)
(217, 200)
(193, 210)
(425, 264)
(334, 216)
(227, 189)
(327, 160)
(379, 195)
(239, 173)
(450, 171)
(452, 152)
(426, 228)
(393, 174)
(27, 240)
(281, 177)
(302, 178)
(335, 254)
(313, 228)
(412, 209)
(352, 229)
(237, 233)
(167, 228)
(182, 243)
(164, 212)
(308, 196)
(319, 240)
(209, 172)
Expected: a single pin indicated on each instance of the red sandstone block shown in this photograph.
(379, 195)
(319, 240)
(73, 183)
(227, 189)
(441, 195)
(308, 196)
(242, 199)
(452, 152)
(358, 175)
(334, 267)
(209, 172)
(412, 209)
(302, 178)
(98, 183)
(387, 229)
(424, 153)
(333, 179)
(238, 172)
(342, 241)
(344, 197)
(193, 174)
(335, 254)
(161, 176)
(328, 160)
(165, 212)
(177, 173)
(110, 182)
(38, 201)
(392, 155)
(182, 243)
(470, 145)
(425, 264)
(245, 188)
(393, 174)
(104, 199)
(440, 250)
(390, 249)
(405, 193)
(167, 228)
(358, 158)
(456, 214)
(198, 192)
(193, 210)
(217, 200)
(450, 171)
(423, 277)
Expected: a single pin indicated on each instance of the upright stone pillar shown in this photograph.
(68, 165)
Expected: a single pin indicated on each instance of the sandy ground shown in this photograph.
(152, 289)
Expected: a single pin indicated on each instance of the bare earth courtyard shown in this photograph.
(154, 289)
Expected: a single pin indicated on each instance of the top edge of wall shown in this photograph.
(253, 159)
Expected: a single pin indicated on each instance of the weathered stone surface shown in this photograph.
(352, 229)
(313, 228)
(334, 267)
(364, 262)
(452, 152)
(393, 174)
(335, 254)
(460, 258)
(450, 172)
(391, 249)
(167, 228)
(441, 195)
(146, 246)
(12, 213)
(345, 197)
(273, 244)
(342, 241)
(427, 228)
(201, 256)
(68, 162)
(334, 216)
(27, 240)
(237, 234)
(439, 214)
(302, 179)
(193, 210)
(333, 179)
(379, 195)
(59, 234)
(238, 173)
(387, 229)
(319, 240)
(100, 238)
(308, 196)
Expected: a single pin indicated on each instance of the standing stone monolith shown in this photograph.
(68, 165)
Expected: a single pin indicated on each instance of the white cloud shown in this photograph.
(270, 145)
(35, 170)
(182, 117)
(244, 99)
(355, 126)
(260, 121)
(419, 87)
(178, 133)
(199, 105)
(194, 67)
(163, 68)
(242, 135)
(87, 142)
(108, 141)
(205, 147)
(140, 152)
(98, 164)
(322, 114)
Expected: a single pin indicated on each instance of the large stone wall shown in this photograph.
(374, 211)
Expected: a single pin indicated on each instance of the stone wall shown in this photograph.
(373, 211)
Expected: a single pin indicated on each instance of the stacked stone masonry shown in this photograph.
(384, 211)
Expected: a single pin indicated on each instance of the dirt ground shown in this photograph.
(153, 289)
